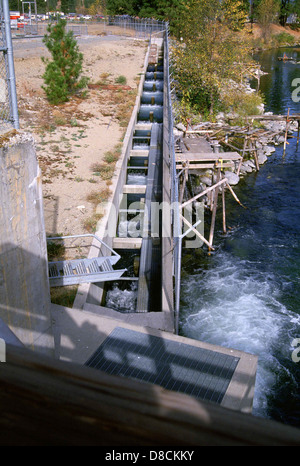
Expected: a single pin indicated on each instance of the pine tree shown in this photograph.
(62, 76)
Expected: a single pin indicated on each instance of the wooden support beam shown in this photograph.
(202, 166)
(207, 190)
(196, 231)
(286, 131)
(214, 211)
(223, 209)
(185, 177)
(234, 195)
(207, 156)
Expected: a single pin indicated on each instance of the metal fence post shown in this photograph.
(11, 80)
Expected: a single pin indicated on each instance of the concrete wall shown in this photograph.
(24, 285)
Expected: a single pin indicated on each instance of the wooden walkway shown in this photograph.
(198, 160)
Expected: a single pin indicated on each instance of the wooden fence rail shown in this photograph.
(48, 402)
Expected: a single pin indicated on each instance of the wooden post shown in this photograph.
(286, 131)
(214, 211)
(245, 145)
(254, 150)
(234, 195)
(184, 182)
(239, 167)
(224, 209)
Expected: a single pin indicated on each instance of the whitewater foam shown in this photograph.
(236, 305)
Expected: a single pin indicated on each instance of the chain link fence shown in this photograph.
(140, 28)
(8, 97)
(129, 25)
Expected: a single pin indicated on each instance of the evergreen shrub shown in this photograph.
(62, 76)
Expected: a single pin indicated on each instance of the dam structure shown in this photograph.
(113, 370)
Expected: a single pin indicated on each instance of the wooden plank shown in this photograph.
(207, 156)
(198, 166)
(46, 402)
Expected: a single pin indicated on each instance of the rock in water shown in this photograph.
(232, 178)
(262, 158)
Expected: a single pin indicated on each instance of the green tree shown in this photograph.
(267, 12)
(209, 54)
(122, 7)
(62, 76)
(164, 10)
(286, 7)
(235, 14)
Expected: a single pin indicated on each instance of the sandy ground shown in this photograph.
(73, 137)
(274, 30)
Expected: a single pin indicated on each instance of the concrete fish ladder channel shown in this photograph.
(131, 226)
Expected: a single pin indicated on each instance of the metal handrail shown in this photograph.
(177, 237)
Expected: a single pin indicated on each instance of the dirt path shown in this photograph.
(78, 143)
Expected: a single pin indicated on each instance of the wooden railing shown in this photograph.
(45, 402)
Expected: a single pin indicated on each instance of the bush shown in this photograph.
(62, 74)
(241, 102)
(284, 38)
(121, 80)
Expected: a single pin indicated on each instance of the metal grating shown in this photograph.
(173, 365)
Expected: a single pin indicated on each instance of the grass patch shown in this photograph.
(121, 80)
(103, 170)
(96, 197)
(55, 250)
(114, 155)
(90, 223)
(63, 295)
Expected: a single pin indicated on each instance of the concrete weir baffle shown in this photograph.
(24, 285)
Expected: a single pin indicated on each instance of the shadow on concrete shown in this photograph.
(51, 205)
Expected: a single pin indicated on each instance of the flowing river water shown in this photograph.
(246, 294)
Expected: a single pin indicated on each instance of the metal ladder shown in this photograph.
(89, 270)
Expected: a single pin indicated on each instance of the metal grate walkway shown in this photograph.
(173, 365)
